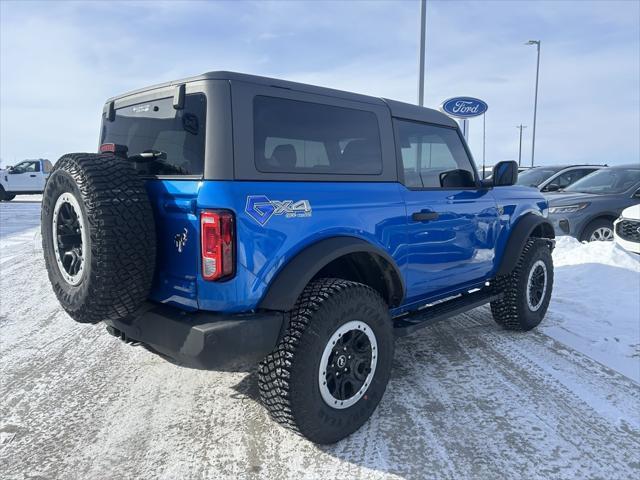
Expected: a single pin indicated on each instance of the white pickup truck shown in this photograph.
(27, 177)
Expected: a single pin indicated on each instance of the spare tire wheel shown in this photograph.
(98, 236)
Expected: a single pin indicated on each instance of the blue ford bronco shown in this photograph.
(230, 220)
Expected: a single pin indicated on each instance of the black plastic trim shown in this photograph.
(419, 319)
(178, 97)
(519, 235)
(289, 282)
(204, 340)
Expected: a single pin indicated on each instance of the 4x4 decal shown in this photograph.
(261, 209)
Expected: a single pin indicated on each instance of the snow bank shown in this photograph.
(595, 307)
(570, 251)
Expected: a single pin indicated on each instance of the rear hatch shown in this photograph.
(172, 141)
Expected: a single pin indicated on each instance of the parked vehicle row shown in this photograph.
(554, 178)
(587, 209)
(27, 177)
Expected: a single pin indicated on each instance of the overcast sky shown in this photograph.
(61, 60)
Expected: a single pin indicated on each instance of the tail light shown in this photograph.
(217, 244)
(113, 148)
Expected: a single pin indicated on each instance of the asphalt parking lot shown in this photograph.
(466, 400)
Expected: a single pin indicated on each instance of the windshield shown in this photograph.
(535, 176)
(607, 180)
(178, 136)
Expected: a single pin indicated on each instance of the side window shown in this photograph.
(292, 136)
(429, 150)
(583, 172)
(309, 153)
(26, 167)
(47, 166)
(567, 178)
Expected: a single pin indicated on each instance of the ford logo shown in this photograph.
(464, 107)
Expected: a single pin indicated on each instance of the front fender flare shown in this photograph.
(287, 285)
(521, 231)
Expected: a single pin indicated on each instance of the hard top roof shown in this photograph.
(398, 109)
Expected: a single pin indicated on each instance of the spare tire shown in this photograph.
(98, 236)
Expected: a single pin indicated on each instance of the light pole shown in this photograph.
(423, 28)
(535, 102)
(520, 127)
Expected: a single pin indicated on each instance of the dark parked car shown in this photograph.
(587, 209)
(552, 179)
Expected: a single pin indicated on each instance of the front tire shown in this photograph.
(600, 230)
(337, 327)
(526, 292)
(4, 196)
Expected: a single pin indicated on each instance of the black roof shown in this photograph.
(399, 109)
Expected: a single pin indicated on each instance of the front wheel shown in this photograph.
(4, 196)
(526, 292)
(331, 366)
(600, 230)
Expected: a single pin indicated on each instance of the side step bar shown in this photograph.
(408, 324)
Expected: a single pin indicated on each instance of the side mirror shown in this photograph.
(457, 179)
(552, 187)
(505, 173)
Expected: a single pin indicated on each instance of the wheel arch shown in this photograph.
(348, 258)
(610, 216)
(529, 225)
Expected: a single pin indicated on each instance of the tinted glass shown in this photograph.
(607, 180)
(427, 151)
(302, 137)
(567, 178)
(156, 125)
(535, 176)
(27, 166)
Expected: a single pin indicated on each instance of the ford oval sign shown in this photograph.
(464, 107)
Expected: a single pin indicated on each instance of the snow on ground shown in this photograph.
(466, 399)
(596, 303)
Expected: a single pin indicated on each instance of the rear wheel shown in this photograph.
(526, 292)
(600, 230)
(98, 237)
(331, 366)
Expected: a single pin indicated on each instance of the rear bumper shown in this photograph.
(204, 340)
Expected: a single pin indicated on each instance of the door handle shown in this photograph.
(424, 216)
(33, 175)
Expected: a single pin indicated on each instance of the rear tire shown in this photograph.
(343, 324)
(526, 292)
(101, 258)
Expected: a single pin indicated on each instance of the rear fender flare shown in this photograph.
(287, 285)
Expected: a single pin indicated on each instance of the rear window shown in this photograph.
(157, 126)
(291, 136)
